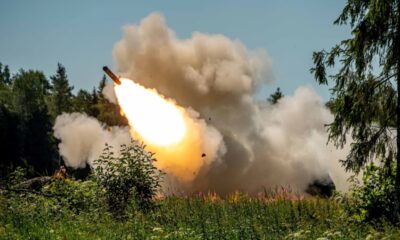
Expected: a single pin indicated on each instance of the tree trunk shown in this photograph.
(397, 180)
(397, 56)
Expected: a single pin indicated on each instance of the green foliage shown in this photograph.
(104, 110)
(39, 146)
(16, 177)
(61, 92)
(26, 126)
(56, 197)
(109, 113)
(94, 111)
(5, 75)
(29, 90)
(81, 102)
(129, 174)
(77, 196)
(5, 89)
(68, 209)
(364, 103)
(29, 105)
(365, 94)
(5, 95)
(374, 199)
(11, 141)
(38, 216)
(274, 98)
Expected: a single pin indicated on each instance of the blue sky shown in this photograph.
(81, 34)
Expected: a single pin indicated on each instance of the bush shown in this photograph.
(126, 176)
(374, 198)
(54, 195)
(76, 196)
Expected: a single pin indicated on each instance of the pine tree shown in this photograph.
(108, 112)
(5, 86)
(29, 92)
(365, 94)
(35, 136)
(5, 76)
(82, 102)
(102, 85)
(94, 111)
(61, 92)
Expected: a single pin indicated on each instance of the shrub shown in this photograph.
(128, 175)
(374, 198)
(16, 177)
(76, 196)
(54, 195)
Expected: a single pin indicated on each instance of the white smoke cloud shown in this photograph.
(83, 138)
(215, 79)
(218, 77)
(206, 65)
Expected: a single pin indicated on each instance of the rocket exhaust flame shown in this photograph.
(156, 120)
(173, 133)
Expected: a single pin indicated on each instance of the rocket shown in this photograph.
(111, 75)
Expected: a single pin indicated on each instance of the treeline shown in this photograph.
(29, 105)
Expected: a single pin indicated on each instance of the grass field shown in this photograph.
(33, 216)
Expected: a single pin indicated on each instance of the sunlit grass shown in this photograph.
(201, 216)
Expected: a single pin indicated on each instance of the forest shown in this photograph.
(30, 103)
(120, 194)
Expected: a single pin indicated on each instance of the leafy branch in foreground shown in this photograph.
(365, 93)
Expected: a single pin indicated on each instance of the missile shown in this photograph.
(111, 75)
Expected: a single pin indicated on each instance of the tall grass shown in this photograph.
(202, 216)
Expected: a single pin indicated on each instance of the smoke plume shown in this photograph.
(218, 77)
(251, 145)
(83, 138)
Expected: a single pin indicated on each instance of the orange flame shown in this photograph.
(166, 129)
(156, 120)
